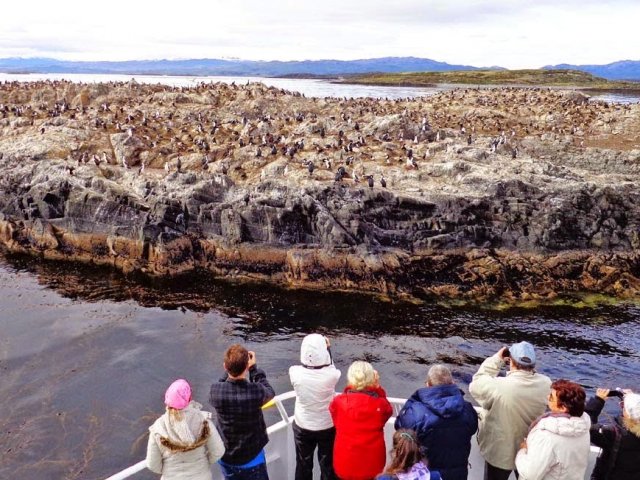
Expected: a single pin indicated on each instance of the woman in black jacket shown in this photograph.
(620, 441)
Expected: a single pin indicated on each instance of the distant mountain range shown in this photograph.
(230, 67)
(623, 70)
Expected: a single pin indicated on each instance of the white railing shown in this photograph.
(280, 451)
(272, 431)
(130, 471)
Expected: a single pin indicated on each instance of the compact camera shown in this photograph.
(616, 392)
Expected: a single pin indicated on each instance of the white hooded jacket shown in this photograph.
(314, 383)
(557, 449)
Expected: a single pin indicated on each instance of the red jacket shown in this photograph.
(359, 416)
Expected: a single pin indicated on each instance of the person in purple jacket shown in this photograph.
(443, 421)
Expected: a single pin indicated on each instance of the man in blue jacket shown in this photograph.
(444, 422)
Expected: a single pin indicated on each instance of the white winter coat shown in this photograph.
(509, 405)
(184, 449)
(557, 449)
(315, 387)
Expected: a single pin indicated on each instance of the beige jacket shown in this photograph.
(185, 449)
(509, 405)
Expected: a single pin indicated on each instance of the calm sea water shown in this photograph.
(310, 87)
(86, 353)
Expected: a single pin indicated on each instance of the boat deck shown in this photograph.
(280, 451)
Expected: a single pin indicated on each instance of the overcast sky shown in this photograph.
(508, 33)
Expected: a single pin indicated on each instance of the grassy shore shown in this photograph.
(550, 78)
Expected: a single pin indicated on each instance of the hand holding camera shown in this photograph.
(605, 393)
(252, 359)
(504, 353)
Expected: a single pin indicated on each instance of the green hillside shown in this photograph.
(552, 78)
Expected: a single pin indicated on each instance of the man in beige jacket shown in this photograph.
(509, 405)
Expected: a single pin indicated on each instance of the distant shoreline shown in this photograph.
(583, 89)
(561, 79)
(558, 79)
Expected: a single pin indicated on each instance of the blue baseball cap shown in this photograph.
(523, 353)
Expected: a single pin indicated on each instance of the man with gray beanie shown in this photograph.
(509, 405)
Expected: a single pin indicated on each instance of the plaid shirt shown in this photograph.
(238, 404)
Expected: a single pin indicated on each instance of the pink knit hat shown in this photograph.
(178, 395)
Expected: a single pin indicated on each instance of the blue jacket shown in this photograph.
(445, 423)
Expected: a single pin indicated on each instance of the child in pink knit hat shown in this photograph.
(183, 443)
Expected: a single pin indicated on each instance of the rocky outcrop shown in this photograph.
(480, 201)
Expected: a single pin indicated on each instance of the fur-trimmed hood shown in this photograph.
(564, 426)
(176, 446)
(183, 431)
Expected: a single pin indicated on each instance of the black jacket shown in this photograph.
(626, 464)
(238, 405)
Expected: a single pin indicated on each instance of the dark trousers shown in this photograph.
(495, 473)
(306, 442)
(231, 472)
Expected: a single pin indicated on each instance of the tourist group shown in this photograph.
(526, 424)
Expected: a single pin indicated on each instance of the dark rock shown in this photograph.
(468, 223)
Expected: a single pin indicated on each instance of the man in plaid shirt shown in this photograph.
(238, 398)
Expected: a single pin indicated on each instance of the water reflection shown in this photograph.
(259, 312)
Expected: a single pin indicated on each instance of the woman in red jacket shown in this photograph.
(359, 415)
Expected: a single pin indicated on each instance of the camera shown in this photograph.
(616, 392)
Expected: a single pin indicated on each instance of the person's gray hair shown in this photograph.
(518, 366)
(439, 375)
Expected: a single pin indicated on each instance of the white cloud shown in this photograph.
(511, 33)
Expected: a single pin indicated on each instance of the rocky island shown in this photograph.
(516, 194)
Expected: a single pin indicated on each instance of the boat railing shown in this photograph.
(277, 401)
(280, 451)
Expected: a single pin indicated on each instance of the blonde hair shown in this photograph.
(632, 425)
(361, 375)
(175, 414)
